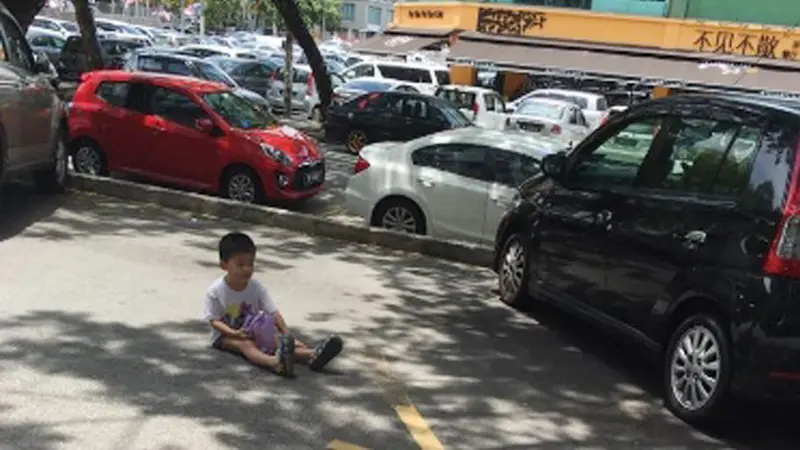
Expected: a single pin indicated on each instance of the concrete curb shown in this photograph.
(275, 217)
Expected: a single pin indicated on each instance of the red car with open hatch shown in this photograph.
(190, 133)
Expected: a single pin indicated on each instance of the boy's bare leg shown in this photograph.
(303, 353)
(249, 350)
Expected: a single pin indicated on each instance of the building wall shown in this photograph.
(361, 25)
(768, 12)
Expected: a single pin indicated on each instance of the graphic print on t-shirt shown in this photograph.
(235, 314)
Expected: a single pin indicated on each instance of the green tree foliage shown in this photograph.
(312, 12)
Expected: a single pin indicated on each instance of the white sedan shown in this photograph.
(453, 185)
(556, 118)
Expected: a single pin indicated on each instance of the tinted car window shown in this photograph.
(512, 168)
(415, 108)
(214, 73)
(365, 70)
(16, 50)
(176, 107)
(461, 99)
(772, 167)
(367, 85)
(409, 74)
(256, 71)
(113, 93)
(442, 77)
(459, 159)
(617, 160)
(298, 77)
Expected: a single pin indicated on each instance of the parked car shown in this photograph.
(455, 184)
(192, 133)
(254, 75)
(686, 246)
(62, 27)
(594, 106)
(426, 78)
(177, 64)
(205, 51)
(31, 114)
(485, 107)
(549, 117)
(305, 97)
(122, 30)
(360, 86)
(46, 41)
(73, 61)
(390, 116)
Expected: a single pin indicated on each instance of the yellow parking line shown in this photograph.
(398, 397)
(336, 444)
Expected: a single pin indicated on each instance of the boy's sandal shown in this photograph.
(285, 355)
(325, 351)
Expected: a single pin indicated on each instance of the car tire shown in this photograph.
(53, 180)
(400, 215)
(711, 362)
(242, 184)
(88, 158)
(513, 270)
(356, 140)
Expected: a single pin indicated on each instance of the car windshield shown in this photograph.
(238, 111)
(71, 27)
(455, 115)
(541, 109)
(214, 73)
(368, 85)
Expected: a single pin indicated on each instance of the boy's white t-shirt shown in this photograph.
(228, 305)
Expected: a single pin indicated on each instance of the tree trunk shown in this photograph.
(85, 18)
(295, 25)
(24, 10)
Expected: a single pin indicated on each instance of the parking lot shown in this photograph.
(102, 347)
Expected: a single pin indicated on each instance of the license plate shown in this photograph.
(313, 177)
(530, 126)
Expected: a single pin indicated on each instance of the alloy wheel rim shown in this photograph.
(242, 188)
(61, 162)
(87, 160)
(512, 269)
(695, 368)
(399, 218)
(356, 141)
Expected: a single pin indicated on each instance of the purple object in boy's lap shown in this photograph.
(261, 327)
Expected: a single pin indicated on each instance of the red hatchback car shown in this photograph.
(191, 133)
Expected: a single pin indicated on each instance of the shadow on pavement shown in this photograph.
(484, 375)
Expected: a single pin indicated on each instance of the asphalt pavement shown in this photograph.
(102, 346)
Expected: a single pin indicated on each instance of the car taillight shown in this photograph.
(556, 129)
(603, 120)
(475, 109)
(361, 165)
(363, 103)
(784, 253)
(310, 86)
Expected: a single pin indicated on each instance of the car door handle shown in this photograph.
(692, 240)
(427, 182)
(603, 217)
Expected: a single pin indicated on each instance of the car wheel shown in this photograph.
(88, 158)
(513, 271)
(356, 140)
(243, 185)
(400, 215)
(697, 369)
(54, 178)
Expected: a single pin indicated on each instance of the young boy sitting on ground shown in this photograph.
(235, 299)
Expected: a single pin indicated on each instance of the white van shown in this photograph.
(425, 78)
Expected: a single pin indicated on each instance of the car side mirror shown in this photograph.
(205, 126)
(349, 74)
(510, 109)
(555, 165)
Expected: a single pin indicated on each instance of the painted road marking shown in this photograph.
(336, 444)
(397, 395)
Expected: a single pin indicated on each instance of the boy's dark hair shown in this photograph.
(233, 243)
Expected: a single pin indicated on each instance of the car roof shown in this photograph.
(176, 55)
(219, 48)
(474, 89)
(376, 80)
(570, 92)
(778, 104)
(517, 142)
(405, 64)
(44, 32)
(551, 101)
(162, 79)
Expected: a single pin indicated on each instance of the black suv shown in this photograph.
(32, 130)
(677, 225)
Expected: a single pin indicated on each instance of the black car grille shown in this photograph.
(309, 176)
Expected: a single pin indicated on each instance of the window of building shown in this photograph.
(348, 11)
(374, 15)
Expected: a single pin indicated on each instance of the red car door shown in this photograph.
(181, 153)
(118, 123)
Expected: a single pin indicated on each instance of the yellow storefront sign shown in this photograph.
(519, 21)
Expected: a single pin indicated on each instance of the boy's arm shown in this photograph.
(213, 313)
(280, 324)
(224, 329)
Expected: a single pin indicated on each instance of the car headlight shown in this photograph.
(277, 155)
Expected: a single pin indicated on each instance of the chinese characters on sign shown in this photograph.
(508, 21)
(761, 45)
(426, 14)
